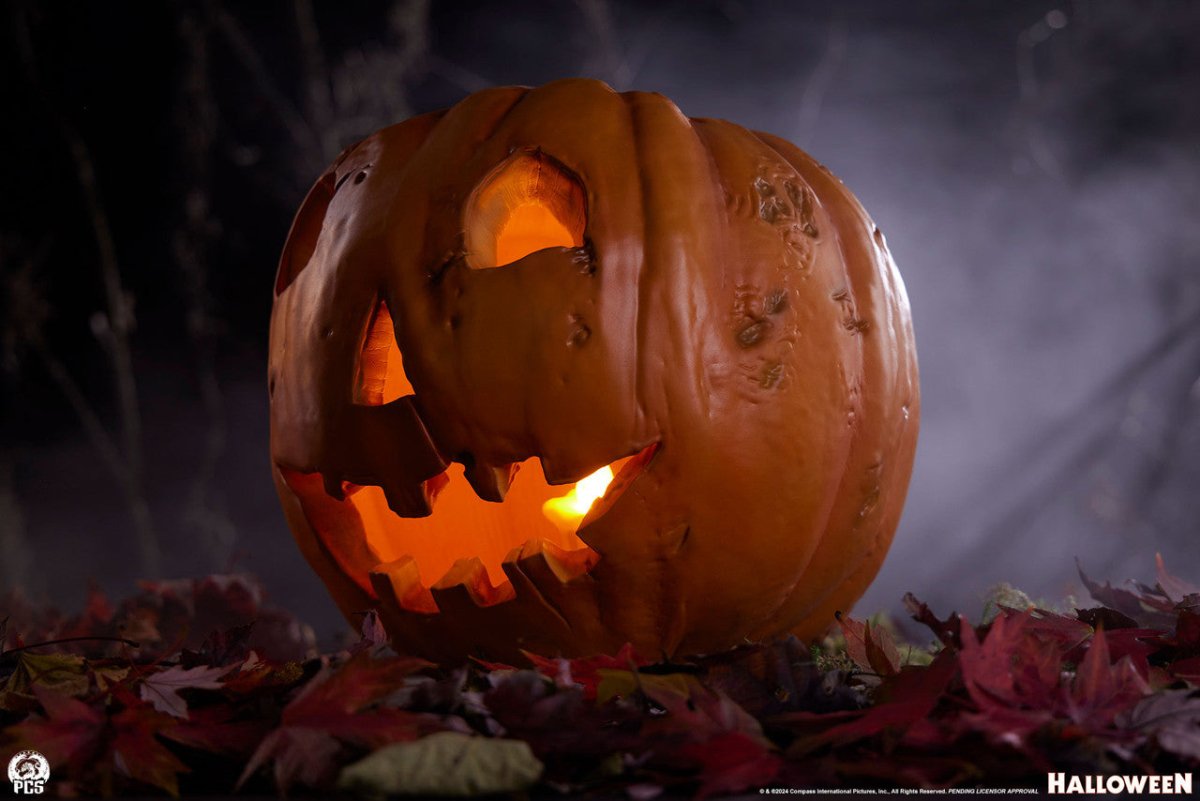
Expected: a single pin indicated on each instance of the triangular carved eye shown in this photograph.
(380, 378)
(527, 204)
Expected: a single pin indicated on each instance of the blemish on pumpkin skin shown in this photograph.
(772, 209)
(802, 202)
(772, 374)
(753, 333)
(585, 257)
(774, 302)
(580, 332)
(857, 326)
(679, 536)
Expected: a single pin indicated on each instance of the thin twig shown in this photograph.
(66, 641)
(197, 120)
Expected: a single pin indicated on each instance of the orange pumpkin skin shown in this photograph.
(726, 314)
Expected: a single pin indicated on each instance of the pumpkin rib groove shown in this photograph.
(881, 383)
(832, 541)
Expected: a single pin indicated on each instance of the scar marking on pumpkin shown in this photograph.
(579, 333)
(772, 210)
(775, 301)
(771, 376)
(681, 535)
(857, 325)
(764, 187)
(753, 333)
(802, 201)
(585, 257)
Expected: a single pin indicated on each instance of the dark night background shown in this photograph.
(1035, 166)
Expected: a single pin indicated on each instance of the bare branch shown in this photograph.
(16, 568)
(316, 74)
(303, 136)
(113, 327)
(1030, 92)
(197, 121)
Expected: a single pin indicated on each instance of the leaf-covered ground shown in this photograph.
(198, 687)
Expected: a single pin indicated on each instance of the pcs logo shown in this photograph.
(28, 772)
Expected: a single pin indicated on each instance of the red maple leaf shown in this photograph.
(83, 738)
(906, 698)
(338, 705)
(730, 763)
(1102, 690)
(137, 751)
(69, 733)
(583, 671)
(219, 729)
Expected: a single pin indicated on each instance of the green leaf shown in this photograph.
(63, 673)
(445, 764)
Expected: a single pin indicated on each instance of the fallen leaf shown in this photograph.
(65, 674)
(1173, 718)
(1102, 690)
(444, 764)
(138, 753)
(338, 705)
(1149, 607)
(69, 733)
(1173, 587)
(945, 630)
(730, 763)
(161, 689)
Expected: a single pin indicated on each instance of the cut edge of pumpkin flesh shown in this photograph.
(405, 578)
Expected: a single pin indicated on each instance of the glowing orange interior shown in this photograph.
(526, 206)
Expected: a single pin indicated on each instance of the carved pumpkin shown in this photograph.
(561, 368)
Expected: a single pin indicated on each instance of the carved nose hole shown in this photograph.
(380, 377)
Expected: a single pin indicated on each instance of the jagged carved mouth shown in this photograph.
(468, 541)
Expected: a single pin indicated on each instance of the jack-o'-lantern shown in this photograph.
(559, 369)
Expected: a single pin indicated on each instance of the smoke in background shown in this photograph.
(1034, 166)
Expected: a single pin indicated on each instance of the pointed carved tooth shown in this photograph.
(539, 569)
(491, 482)
(387, 446)
(408, 500)
(333, 486)
(399, 583)
(467, 583)
(543, 561)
